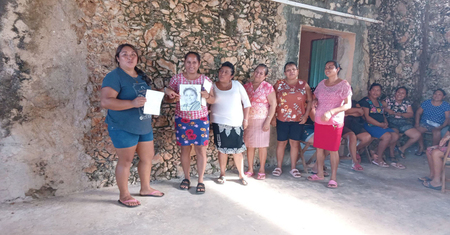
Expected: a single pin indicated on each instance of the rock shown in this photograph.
(194, 7)
(90, 169)
(255, 46)
(167, 65)
(161, 121)
(168, 43)
(171, 4)
(157, 159)
(243, 25)
(213, 3)
(208, 58)
(155, 4)
(232, 60)
(156, 32)
(206, 20)
(404, 38)
(399, 69)
(402, 8)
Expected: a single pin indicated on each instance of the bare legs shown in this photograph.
(435, 161)
(146, 152)
(436, 137)
(281, 146)
(200, 151)
(387, 139)
(238, 161)
(414, 136)
(262, 159)
(334, 160)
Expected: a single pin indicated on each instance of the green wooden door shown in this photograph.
(322, 50)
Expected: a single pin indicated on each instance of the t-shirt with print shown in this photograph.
(393, 105)
(175, 83)
(434, 113)
(258, 98)
(291, 100)
(374, 111)
(131, 120)
(330, 97)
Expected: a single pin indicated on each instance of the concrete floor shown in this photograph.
(375, 201)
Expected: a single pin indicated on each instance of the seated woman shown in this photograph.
(377, 126)
(399, 116)
(354, 132)
(229, 117)
(433, 115)
(435, 156)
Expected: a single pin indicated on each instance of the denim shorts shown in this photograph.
(125, 139)
(289, 130)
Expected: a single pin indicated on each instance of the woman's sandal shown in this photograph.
(248, 174)
(314, 178)
(221, 179)
(375, 160)
(243, 181)
(185, 184)
(425, 178)
(402, 154)
(398, 165)
(261, 176)
(295, 173)
(200, 188)
(332, 184)
(276, 172)
(357, 167)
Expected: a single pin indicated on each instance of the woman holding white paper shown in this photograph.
(123, 94)
(192, 127)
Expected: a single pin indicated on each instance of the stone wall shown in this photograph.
(53, 136)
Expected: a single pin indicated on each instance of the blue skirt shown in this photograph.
(376, 131)
(192, 131)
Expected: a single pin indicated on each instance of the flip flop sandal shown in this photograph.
(357, 167)
(425, 178)
(185, 184)
(200, 188)
(358, 158)
(261, 176)
(295, 173)
(417, 153)
(427, 184)
(243, 181)
(221, 180)
(402, 154)
(314, 178)
(398, 165)
(277, 172)
(155, 193)
(248, 174)
(325, 174)
(380, 164)
(124, 203)
(332, 184)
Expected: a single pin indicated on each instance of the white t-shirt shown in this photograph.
(227, 109)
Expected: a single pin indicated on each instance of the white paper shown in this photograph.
(153, 103)
(207, 86)
(190, 97)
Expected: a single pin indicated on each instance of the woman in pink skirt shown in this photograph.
(334, 97)
(257, 134)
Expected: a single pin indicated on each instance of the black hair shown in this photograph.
(441, 90)
(289, 63)
(374, 85)
(192, 53)
(402, 87)
(138, 71)
(229, 65)
(266, 69)
(336, 64)
(190, 89)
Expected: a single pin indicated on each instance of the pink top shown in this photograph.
(291, 100)
(330, 98)
(174, 84)
(258, 98)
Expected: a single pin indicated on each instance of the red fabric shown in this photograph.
(327, 137)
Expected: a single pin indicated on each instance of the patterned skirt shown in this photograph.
(229, 139)
(192, 131)
(254, 136)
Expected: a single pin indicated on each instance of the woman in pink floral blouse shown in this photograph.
(257, 134)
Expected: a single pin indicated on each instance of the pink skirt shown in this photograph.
(254, 136)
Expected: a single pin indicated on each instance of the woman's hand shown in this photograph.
(245, 124)
(326, 116)
(384, 125)
(172, 94)
(444, 140)
(138, 102)
(273, 122)
(303, 119)
(389, 111)
(205, 94)
(266, 125)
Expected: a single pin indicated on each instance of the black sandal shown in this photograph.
(200, 188)
(243, 181)
(185, 184)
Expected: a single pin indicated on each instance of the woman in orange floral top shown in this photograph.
(294, 103)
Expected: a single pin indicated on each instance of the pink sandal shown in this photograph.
(332, 184)
(357, 167)
(261, 176)
(314, 178)
(248, 174)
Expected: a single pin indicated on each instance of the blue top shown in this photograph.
(434, 113)
(131, 120)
